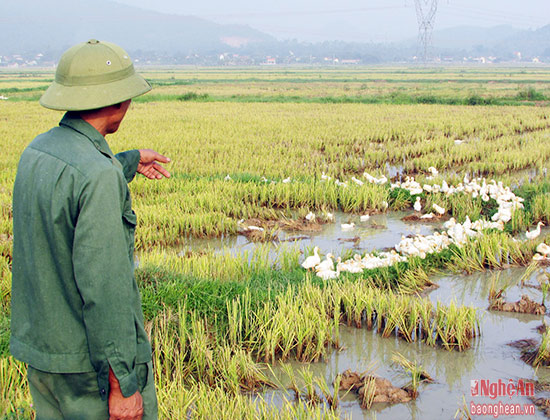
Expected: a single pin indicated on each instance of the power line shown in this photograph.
(497, 13)
(494, 16)
(300, 12)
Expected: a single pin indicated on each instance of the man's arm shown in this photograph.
(129, 161)
(143, 161)
(104, 277)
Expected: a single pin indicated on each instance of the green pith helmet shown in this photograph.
(93, 75)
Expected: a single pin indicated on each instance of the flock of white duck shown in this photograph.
(422, 245)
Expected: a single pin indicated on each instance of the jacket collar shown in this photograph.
(72, 120)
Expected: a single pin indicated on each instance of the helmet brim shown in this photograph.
(82, 98)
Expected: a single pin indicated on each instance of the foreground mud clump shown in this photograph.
(525, 306)
(373, 389)
(542, 328)
(426, 218)
(350, 381)
(532, 353)
(524, 344)
(542, 404)
(385, 392)
(261, 230)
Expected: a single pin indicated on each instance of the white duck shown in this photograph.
(310, 217)
(417, 205)
(449, 223)
(440, 210)
(543, 249)
(503, 214)
(369, 177)
(351, 266)
(313, 260)
(328, 274)
(347, 226)
(327, 264)
(415, 190)
(364, 217)
(534, 233)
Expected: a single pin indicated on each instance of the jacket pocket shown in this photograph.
(130, 221)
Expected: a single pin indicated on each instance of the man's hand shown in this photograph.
(121, 408)
(148, 165)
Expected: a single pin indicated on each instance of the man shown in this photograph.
(76, 315)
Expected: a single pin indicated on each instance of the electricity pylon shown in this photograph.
(425, 14)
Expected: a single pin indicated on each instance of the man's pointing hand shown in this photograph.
(148, 165)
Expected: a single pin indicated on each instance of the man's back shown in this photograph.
(73, 241)
(76, 315)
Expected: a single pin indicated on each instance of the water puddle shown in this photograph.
(490, 358)
(380, 231)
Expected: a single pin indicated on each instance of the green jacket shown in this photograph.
(75, 304)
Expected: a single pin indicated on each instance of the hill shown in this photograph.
(501, 41)
(30, 26)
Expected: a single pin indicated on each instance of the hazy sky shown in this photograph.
(359, 20)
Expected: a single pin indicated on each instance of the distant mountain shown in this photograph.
(529, 43)
(502, 41)
(30, 27)
(468, 37)
(37, 26)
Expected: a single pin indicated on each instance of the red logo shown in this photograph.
(491, 389)
(474, 387)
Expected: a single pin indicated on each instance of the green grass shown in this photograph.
(215, 319)
(392, 99)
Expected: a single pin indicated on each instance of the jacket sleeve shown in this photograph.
(129, 161)
(104, 276)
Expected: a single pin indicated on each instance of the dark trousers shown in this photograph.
(75, 396)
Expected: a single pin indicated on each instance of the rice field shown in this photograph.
(282, 160)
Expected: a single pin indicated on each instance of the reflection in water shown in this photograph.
(380, 231)
(490, 357)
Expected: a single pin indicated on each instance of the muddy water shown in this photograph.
(380, 231)
(490, 358)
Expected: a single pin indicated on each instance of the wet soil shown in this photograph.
(542, 404)
(489, 358)
(529, 349)
(541, 329)
(523, 306)
(381, 231)
(384, 391)
(417, 217)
